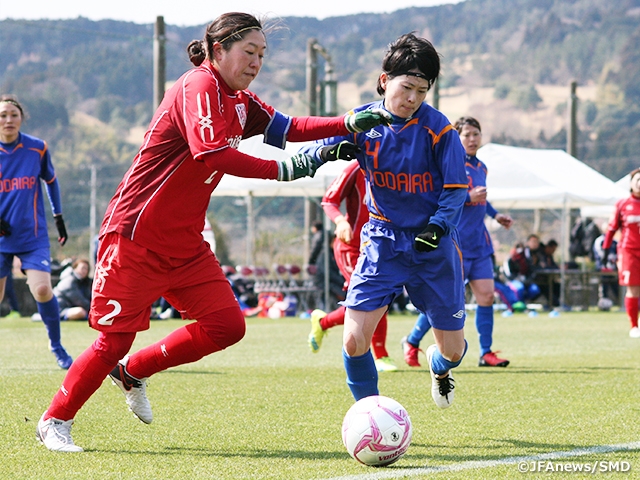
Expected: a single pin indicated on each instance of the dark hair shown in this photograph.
(80, 260)
(408, 53)
(462, 121)
(552, 243)
(227, 29)
(13, 100)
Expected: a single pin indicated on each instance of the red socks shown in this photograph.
(631, 305)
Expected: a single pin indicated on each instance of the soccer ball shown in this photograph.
(605, 304)
(376, 431)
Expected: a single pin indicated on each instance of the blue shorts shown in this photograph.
(478, 268)
(389, 262)
(39, 259)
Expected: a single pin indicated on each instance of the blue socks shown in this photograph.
(484, 325)
(420, 329)
(50, 314)
(362, 376)
(441, 365)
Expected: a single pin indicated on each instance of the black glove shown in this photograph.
(339, 151)
(5, 228)
(605, 257)
(429, 239)
(62, 231)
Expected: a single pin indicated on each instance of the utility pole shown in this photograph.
(159, 62)
(572, 130)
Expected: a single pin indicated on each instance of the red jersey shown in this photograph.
(349, 186)
(627, 220)
(191, 142)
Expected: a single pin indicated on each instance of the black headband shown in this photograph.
(411, 74)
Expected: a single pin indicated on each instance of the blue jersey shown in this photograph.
(23, 164)
(414, 170)
(475, 241)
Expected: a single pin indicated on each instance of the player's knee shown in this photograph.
(41, 292)
(112, 347)
(225, 327)
(353, 347)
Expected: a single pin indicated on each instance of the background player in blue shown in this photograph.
(416, 188)
(477, 251)
(24, 160)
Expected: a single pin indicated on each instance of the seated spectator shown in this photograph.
(73, 291)
(520, 268)
(551, 287)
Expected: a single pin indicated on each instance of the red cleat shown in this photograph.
(410, 353)
(492, 360)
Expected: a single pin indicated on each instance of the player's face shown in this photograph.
(10, 122)
(635, 185)
(471, 139)
(243, 61)
(403, 94)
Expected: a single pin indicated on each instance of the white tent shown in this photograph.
(526, 178)
(605, 211)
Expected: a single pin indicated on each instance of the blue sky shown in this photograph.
(191, 12)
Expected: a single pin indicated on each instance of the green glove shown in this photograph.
(343, 151)
(367, 119)
(298, 166)
(429, 239)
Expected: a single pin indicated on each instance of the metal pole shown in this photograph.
(572, 131)
(93, 212)
(436, 94)
(159, 61)
(312, 76)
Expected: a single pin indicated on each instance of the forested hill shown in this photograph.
(87, 84)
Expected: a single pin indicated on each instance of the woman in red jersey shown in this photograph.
(151, 243)
(627, 219)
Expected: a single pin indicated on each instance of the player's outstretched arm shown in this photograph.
(367, 119)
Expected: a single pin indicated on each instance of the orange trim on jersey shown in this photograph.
(20, 145)
(52, 180)
(35, 213)
(41, 152)
(413, 121)
(456, 185)
(436, 138)
(374, 205)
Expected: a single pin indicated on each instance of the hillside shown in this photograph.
(88, 85)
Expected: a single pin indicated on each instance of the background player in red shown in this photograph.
(348, 187)
(151, 242)
(24, 162)
(627, 219)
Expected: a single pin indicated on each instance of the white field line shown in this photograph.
(456, 467)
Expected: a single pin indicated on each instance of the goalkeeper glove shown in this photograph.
(367, 119)
(429, 239)
(605, 257)
(5, 228)
(298, 166)
(62, 231)
(343, 151)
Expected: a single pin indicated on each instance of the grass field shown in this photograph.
(269, 409)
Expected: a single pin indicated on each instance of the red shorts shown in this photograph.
(129, 278)
(628, 267)
(346, 258)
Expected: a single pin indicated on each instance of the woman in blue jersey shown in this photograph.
(416, 188)
(24, 161)
(477, 251)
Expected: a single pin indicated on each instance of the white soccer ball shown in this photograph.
(605, 304)
(376, 431)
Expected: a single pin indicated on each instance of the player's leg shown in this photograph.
(383, 361)
(36, 266)
(84, 377)
(629, 277)
(362, 375)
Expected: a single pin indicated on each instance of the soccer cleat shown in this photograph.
(410, 353)
(13, 314)
(441, 387)
(134, 389)
(317, 333)
(56, 435)
(492, 360)
(385, 364)
(62, 357)
(634, 332)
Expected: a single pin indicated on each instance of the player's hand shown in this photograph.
(298, 166)
(62, 230)
(367, 119)
(429, 239)
(340, 151)
(344, 232)
(5, 228)
(605, 256)
(505, 220)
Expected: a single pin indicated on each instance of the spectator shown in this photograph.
(73, 291)
(317, 242)
(626, 219)
(519, 271)
(608, 288)
(551, 286)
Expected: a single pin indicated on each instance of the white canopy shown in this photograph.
(527, 178)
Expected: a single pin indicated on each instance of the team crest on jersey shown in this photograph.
(242, 114)
(373, 134)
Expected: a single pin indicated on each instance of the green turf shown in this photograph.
(269, 409)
